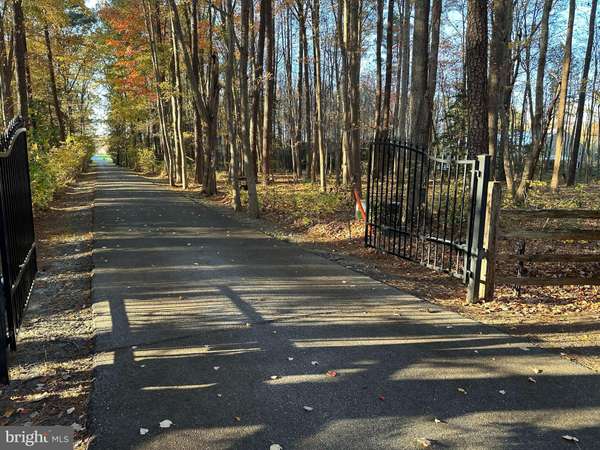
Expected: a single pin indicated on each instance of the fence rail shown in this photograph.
(17, 238)
(567, 256)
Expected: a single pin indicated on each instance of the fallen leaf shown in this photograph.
(535, 370)
(567, 437)
(381, 397)
(462, 391)
(237, 418)
(308, 408)
(424, 442)
(165, 423)
(331, 373)
(531, 380)
(143, 431)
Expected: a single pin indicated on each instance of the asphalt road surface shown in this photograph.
(229, 335)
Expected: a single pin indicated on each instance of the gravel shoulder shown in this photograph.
(51, 371)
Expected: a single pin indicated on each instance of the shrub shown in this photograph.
(51, 170)
(146, 161)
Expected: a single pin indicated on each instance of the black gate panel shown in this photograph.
(17, 238)
(426, 208)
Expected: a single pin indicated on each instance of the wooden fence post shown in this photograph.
(492, 215)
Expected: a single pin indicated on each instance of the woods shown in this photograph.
(269, 88)
(227, 190)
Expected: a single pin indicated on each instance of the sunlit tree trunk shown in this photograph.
(562, 99)
(402, 121)
(378, 64)
(253, 208)
(269, 91)
(53, 88)
(198, 144)
(389, 56)
(537, 120)
(582, 94)
(316, 19)
(232, 118)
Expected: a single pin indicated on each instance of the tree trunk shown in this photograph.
(378, 64)
(301, 93)
(418, 110)
(53, 88)
(176, 113)
(316, 19)
(253, 209)
(402, 131)
(6, 72)
(342, 24)
(436, 16)
(387, 90)
(269, 92)
(20, 52)
(232, 119)
(476, 73)
(562, 100)
(499, 55)
(198, 145)
(582, 94)
(537, 119)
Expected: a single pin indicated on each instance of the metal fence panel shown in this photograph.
(426, 208)
(17, 237)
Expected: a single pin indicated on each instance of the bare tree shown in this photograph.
(253, 209)
(562, 99)
(316, 19)
(582, 95)
(53, 88)
(538, 117)
(269, 90)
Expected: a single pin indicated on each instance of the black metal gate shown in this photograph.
(17, 239)
(426, 208)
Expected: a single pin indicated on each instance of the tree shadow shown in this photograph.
(230, 334)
